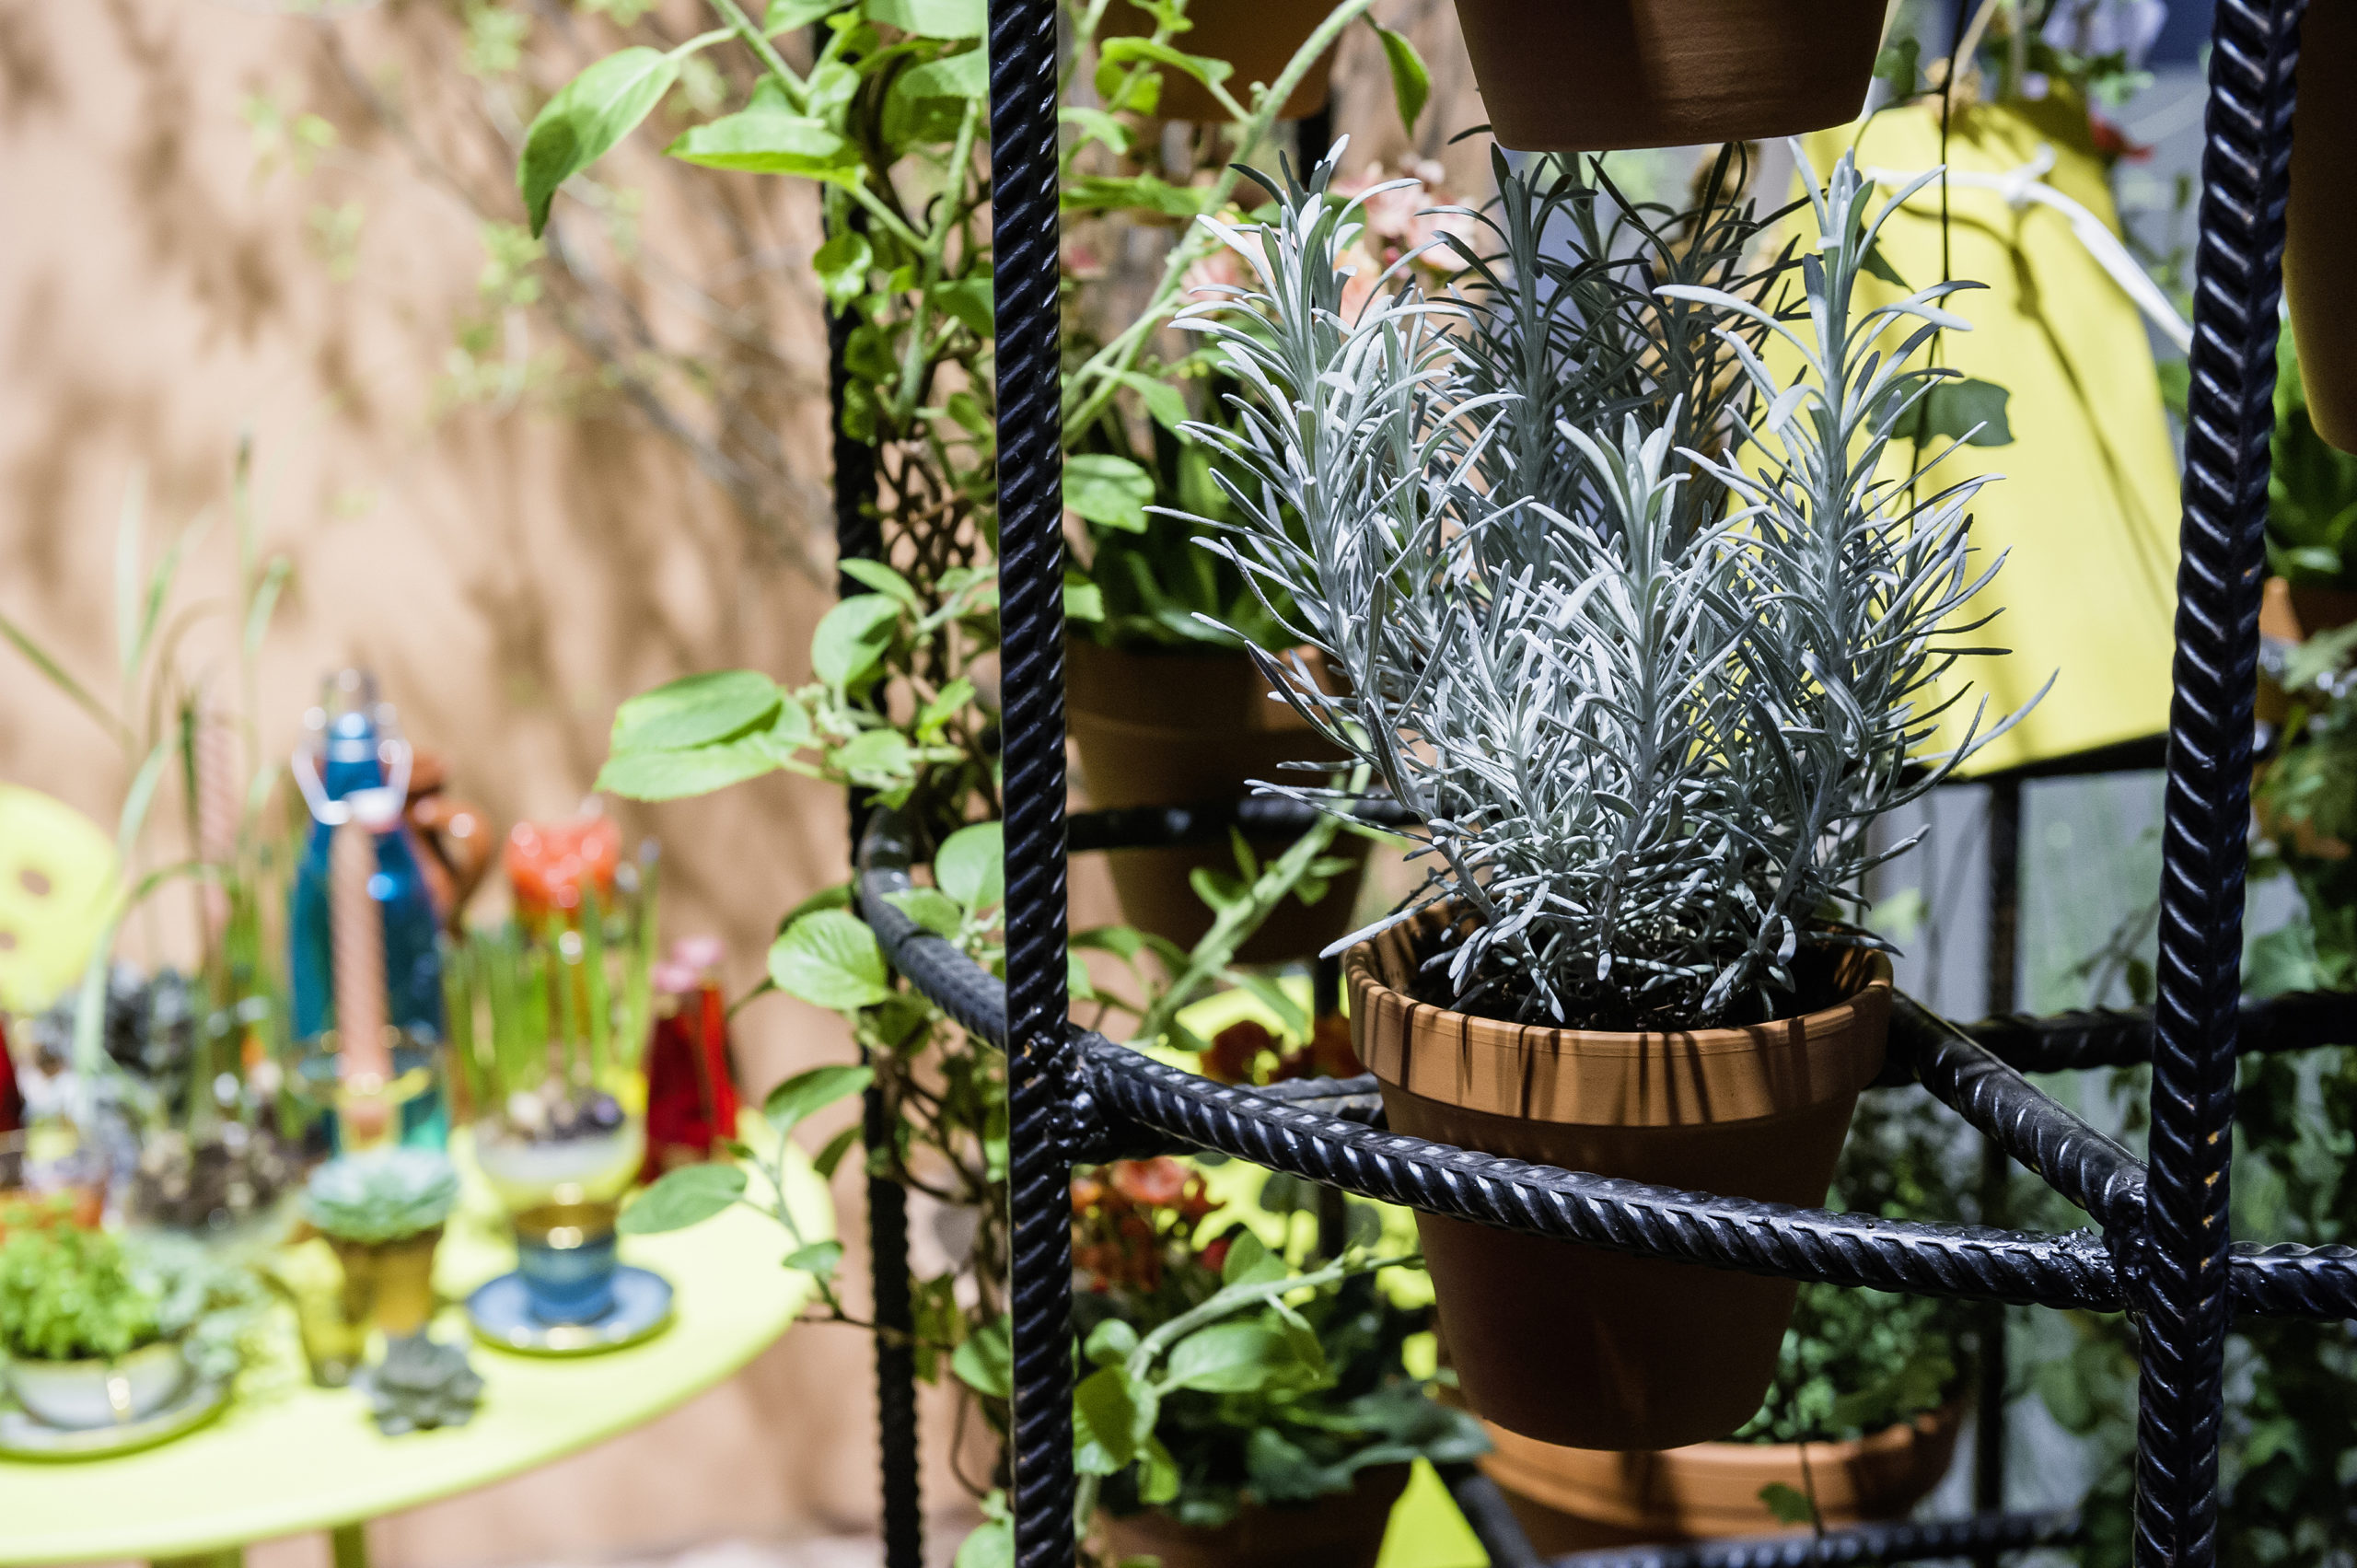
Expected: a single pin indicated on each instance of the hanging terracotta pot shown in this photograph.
(2320, 241)
(1345, 1530)
(1580, 1499)
(1590, 75)
(1574, 1345)
(1259, 38)
(1182, 729)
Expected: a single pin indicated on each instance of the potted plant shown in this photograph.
(85, 1340)
(1280, 1417)
(382, 1213)
(1595, 74)
(2320, 226)
(1646, 733)
(1861, 1422)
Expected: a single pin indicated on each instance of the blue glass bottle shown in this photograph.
(354, 764)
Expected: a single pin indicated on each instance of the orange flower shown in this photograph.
(1157, 1184)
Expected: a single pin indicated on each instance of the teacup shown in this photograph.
(565, 1253)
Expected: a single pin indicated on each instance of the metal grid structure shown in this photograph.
(2159, 1247)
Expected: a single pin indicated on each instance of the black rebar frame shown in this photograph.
(2159, 1247)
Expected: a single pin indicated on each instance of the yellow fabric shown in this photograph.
(58, 879)
(2087, 509)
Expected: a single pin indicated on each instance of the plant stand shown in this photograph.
(2159, 1246)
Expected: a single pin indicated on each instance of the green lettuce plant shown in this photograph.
(384, 1195)
(68, 1294)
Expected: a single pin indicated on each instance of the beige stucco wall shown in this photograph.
(510, 574)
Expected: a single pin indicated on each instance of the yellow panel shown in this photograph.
(58, 876)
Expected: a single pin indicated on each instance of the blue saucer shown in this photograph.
(502, 1314)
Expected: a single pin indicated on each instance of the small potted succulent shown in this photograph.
(84, 1335)
(1284, 1418)
(382, 1213)
(1638, 630)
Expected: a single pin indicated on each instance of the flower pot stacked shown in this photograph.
(1183, 729)
(1570, 1344)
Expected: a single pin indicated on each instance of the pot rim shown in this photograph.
(166, 1347)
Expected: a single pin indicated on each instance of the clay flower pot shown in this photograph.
(390, 1283)
(84, 1395)
(1258, 37)
(1578, 1499)
(1181, 729)
(2320, 239)
(1572, 1345)
(1589, 75)
(1345, 1530)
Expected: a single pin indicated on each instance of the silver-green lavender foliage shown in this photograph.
(384, 1195)
(1626, 620)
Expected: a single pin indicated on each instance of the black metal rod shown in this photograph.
(1976, 1076)
(2184, 1286)
(1899, 1541)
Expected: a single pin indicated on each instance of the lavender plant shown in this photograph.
(1629, 617)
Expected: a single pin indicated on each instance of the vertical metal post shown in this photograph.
(2004, 996)
(1040, 1066)
(2180, 1291)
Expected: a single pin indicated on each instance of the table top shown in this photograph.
(287, 1457)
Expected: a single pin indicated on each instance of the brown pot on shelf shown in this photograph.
(390, 1283)
(1571, 1345)
(1180, 729)
(1590, 75)
(1259, 38)
(2320, 236)
(1579, 1499)
(1345, 1530)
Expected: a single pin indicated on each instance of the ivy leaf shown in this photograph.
(965, 301)
(931, 907)
(970, 866)
(1084, 600)
(850, 639)
(761, 141)
(946, 704)
(931, 18)
(880, 757)
(695, 710)
(1787, 1503)
(1250, 1262)
(964, 77)
(984, 1361)
(673, 775)
(843, 264)
(882, 580)
(830, 960)
(819, 1259)
(1164, 403)
(832, 1154)
(690, 1195)
(793, 1101)
(1110, 1343)
(1099, 193)
(1112, 1414)
(1411, 83)
(584, 121)
(1896, 65)
(1963, 408)
(1116, 52)
(1095, 125)
(1110, 491)
(990, 1544)
(1229, 1358)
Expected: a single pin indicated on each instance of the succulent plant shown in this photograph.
(1644, 732)
(422, 1384)
(384, 1195)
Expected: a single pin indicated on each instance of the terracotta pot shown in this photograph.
(1180, 729)
(2320, 241)
(1589, 75)
(390, 1283)
(1342, 1531)
(1578, 1499)
(1258, 37)
(1571, 1345)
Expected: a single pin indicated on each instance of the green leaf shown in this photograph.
(965, 301)
(1110, 1343)
(1787, 1503)
(1076, 981)
(942, 706)
(970, 866)
(1096, 125)
(1228, 1358)
(852, 638)
(830, 960)
(1878, 265)
(843, 264)
(793, 1101)
(1123, 52)
(586, 118)
(792, 16)
(931, 907)
(1141, 192)
(835, 897)
(1158, 1479)
(1963, 408)
(1250, 1262)
(1084, 600)
(761, 141)
(882, 578)
(1164, 403)
(984, 1361)
(690, 1195)
(695, 710)
(1897, 65)
(832, 1154)
(876, 757)
(820, 1257)
(990, 1544)
(1411, 84)
(669, 776)
(1107, 490)
(933, 19)
(1112, 1414)
(964, 77)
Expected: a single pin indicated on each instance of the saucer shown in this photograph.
(502, 1314)
(22, 1437)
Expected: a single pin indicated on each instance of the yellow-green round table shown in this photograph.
(287, 1457)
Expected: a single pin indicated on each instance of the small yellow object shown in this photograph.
(2087, 510)
(59, 880)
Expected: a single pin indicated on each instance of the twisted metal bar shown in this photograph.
(1898, 1542)
(2070, 1156)
(2182, 1293)
(2061, 1042)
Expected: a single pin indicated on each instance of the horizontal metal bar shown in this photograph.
(1490, 1517)
(2074, 1159)
(1149, 827)
(2123, 1037)
(1895, 1542)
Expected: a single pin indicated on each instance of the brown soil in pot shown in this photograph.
(1345, 1530)
(1258, 37)
(1571, 1345)
(1578, 1499)
(1179, 729)
(1589, 75)
(2320, 237)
